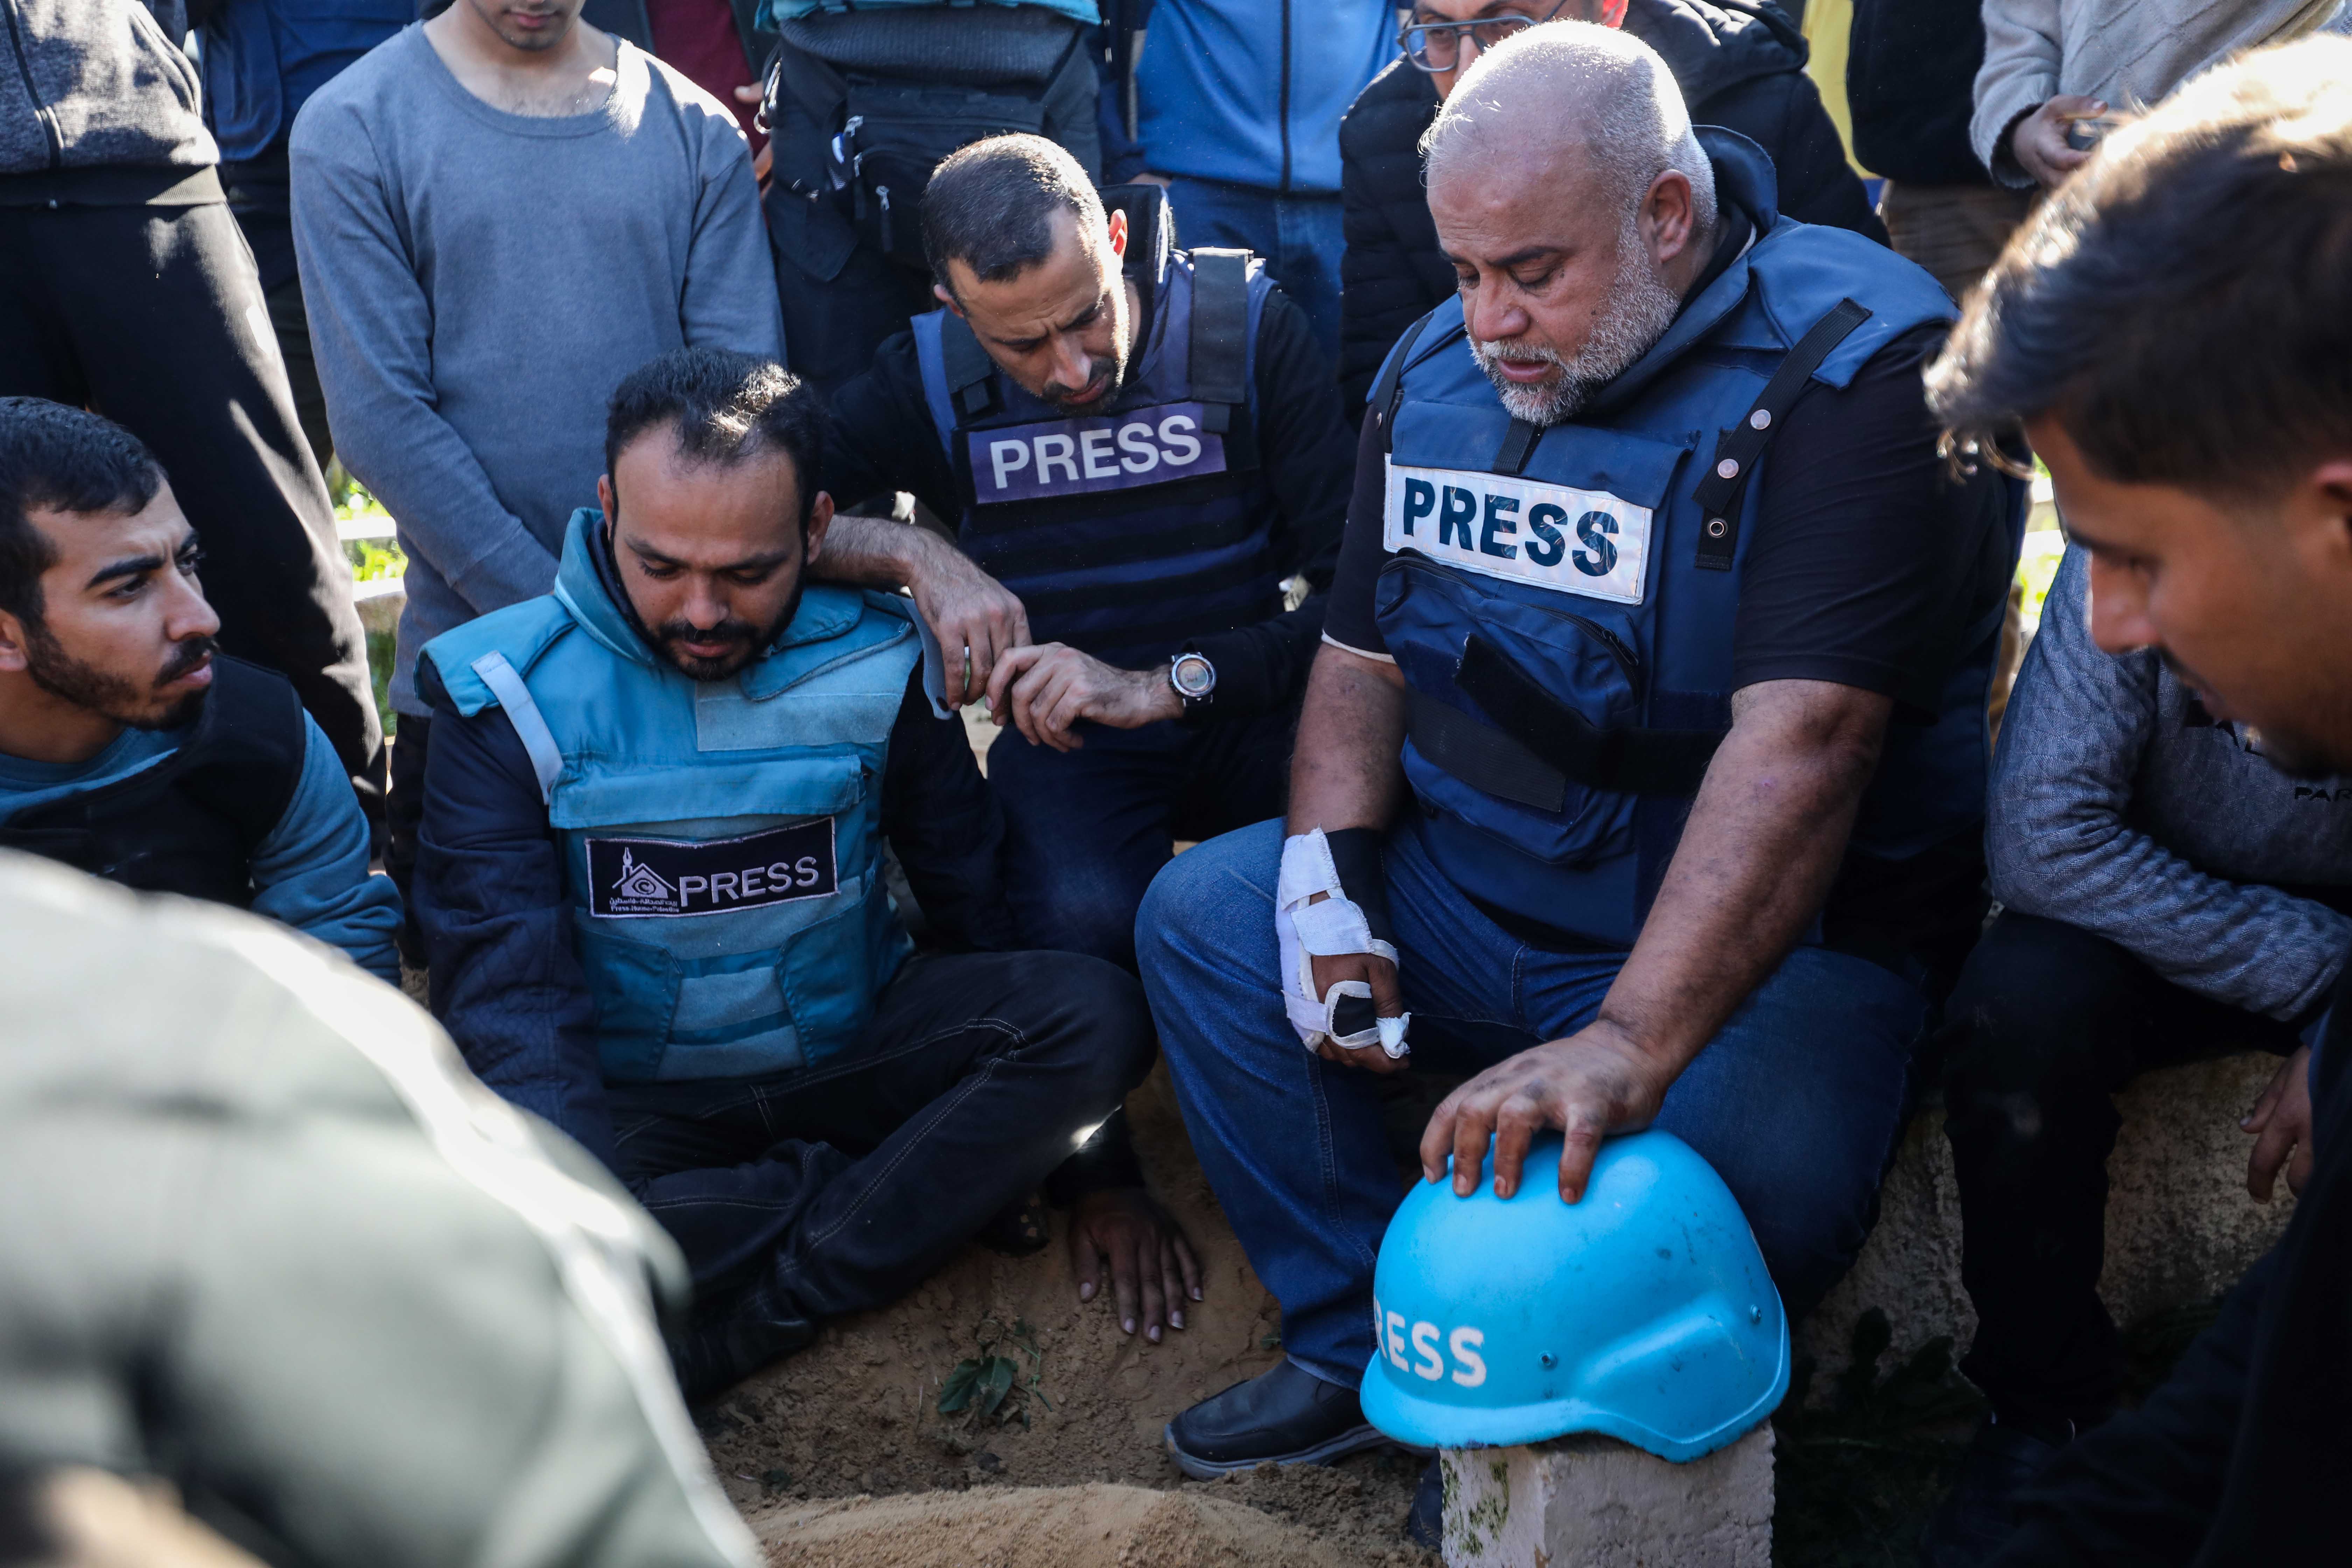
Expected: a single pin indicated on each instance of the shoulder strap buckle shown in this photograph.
(1737, 452)
(971, 374)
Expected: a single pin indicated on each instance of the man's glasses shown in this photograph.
(1437, 46)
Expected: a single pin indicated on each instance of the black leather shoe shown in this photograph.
(1976, 1520)
(1425, 1524)
(1286, 1417)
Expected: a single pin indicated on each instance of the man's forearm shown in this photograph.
(1346, 770)
(873, 552)
(1765, 839)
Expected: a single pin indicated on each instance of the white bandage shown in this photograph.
(1327, 928)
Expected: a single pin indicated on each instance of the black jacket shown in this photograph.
(1910, 82)
(1740, 64)
(2241, 1456)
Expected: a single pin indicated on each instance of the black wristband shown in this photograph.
(1363, 876)
(1104, 1160)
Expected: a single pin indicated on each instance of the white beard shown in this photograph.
(1641, 307)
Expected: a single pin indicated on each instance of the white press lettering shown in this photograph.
(723, 882)
(1430, 1367)
(780, 872)
(1464, 1343)
(1135, 441)
(689, 886)
(750, 883)
(808, 871)
(1055, 451)
(1094, 447)
(1395, 1341)
(1006, 456)
(1182, 449)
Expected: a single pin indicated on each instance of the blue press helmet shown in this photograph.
(1641, 1311)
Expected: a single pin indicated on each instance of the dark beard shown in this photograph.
(747, 641)
(1057, 396)
(85, 686)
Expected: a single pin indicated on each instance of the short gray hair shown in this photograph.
(1583, 84)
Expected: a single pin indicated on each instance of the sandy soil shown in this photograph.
(855, 1414)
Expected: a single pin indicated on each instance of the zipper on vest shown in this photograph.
(1284, 99)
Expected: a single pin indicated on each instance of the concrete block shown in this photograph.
(1594, 1502)
(2180, 1227)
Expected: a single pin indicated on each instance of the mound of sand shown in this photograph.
(857, 1414)
(1094, 1526)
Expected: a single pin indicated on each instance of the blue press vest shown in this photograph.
(1146, 525)
(721, 840)
(1581, 570)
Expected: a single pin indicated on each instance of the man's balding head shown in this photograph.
(1576, 204)
(1591, 94)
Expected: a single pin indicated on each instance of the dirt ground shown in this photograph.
(855, 1414)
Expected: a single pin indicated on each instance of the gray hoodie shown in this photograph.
(2119, 806)
(87, 84)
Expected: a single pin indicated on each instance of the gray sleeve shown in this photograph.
(2020, 73)
(729, 297)
(426, 1342)
(2059, 844)
(372, 326)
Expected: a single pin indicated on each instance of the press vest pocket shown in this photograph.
(1460, 764)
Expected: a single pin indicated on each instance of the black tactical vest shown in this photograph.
(190, 823)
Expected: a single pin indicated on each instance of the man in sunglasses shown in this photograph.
(1739, 63)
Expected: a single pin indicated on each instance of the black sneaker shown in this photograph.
(1287, 1416)
(1976, 1520)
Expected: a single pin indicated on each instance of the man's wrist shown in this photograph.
(1161, 700)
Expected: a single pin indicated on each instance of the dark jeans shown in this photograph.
(839, 1188)
(154, 316)
(1086, 831)
(2047, 1024)
(404, 810)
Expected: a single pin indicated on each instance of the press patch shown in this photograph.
(1577, 541)
(633, 877)
(1085, 457)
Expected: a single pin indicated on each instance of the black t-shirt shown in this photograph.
(1868, 555)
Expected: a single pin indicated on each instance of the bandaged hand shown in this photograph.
(1321, 914)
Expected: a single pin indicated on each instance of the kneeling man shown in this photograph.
(652, 884)
(131, 748)
(1644, 761)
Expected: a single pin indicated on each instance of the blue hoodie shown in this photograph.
(1248, 92)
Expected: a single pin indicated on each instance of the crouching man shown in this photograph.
(1643, 766)
(130, 747)
(651, 882)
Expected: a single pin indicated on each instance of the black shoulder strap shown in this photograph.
(971, 373)
(1220, 348)
(245, 759)
(1388, 391)
(1735, 454)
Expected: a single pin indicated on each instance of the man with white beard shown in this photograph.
(1641, 773)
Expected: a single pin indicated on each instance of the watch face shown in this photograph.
(1193, 675)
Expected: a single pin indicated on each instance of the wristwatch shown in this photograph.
(1196, 680)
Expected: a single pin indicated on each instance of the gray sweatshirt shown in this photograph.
(2129, 52)
(267, 1237)
(96, 83)
(478, 283)
(2118, 806)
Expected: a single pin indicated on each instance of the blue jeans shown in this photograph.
(1300, 235)
(1796, 1103)
(1086, 831)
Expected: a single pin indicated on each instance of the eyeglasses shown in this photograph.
(1437, 46)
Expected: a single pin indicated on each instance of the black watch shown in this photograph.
(1196, 680)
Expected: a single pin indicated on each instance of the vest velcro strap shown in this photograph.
(1481, 756)
(1220, 344)
(968, 369)
(1518, 442)
(530, 723)
(1623, 761)
(1720, 492)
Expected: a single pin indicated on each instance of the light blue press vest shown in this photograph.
(721, 840)
(1589, 564)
